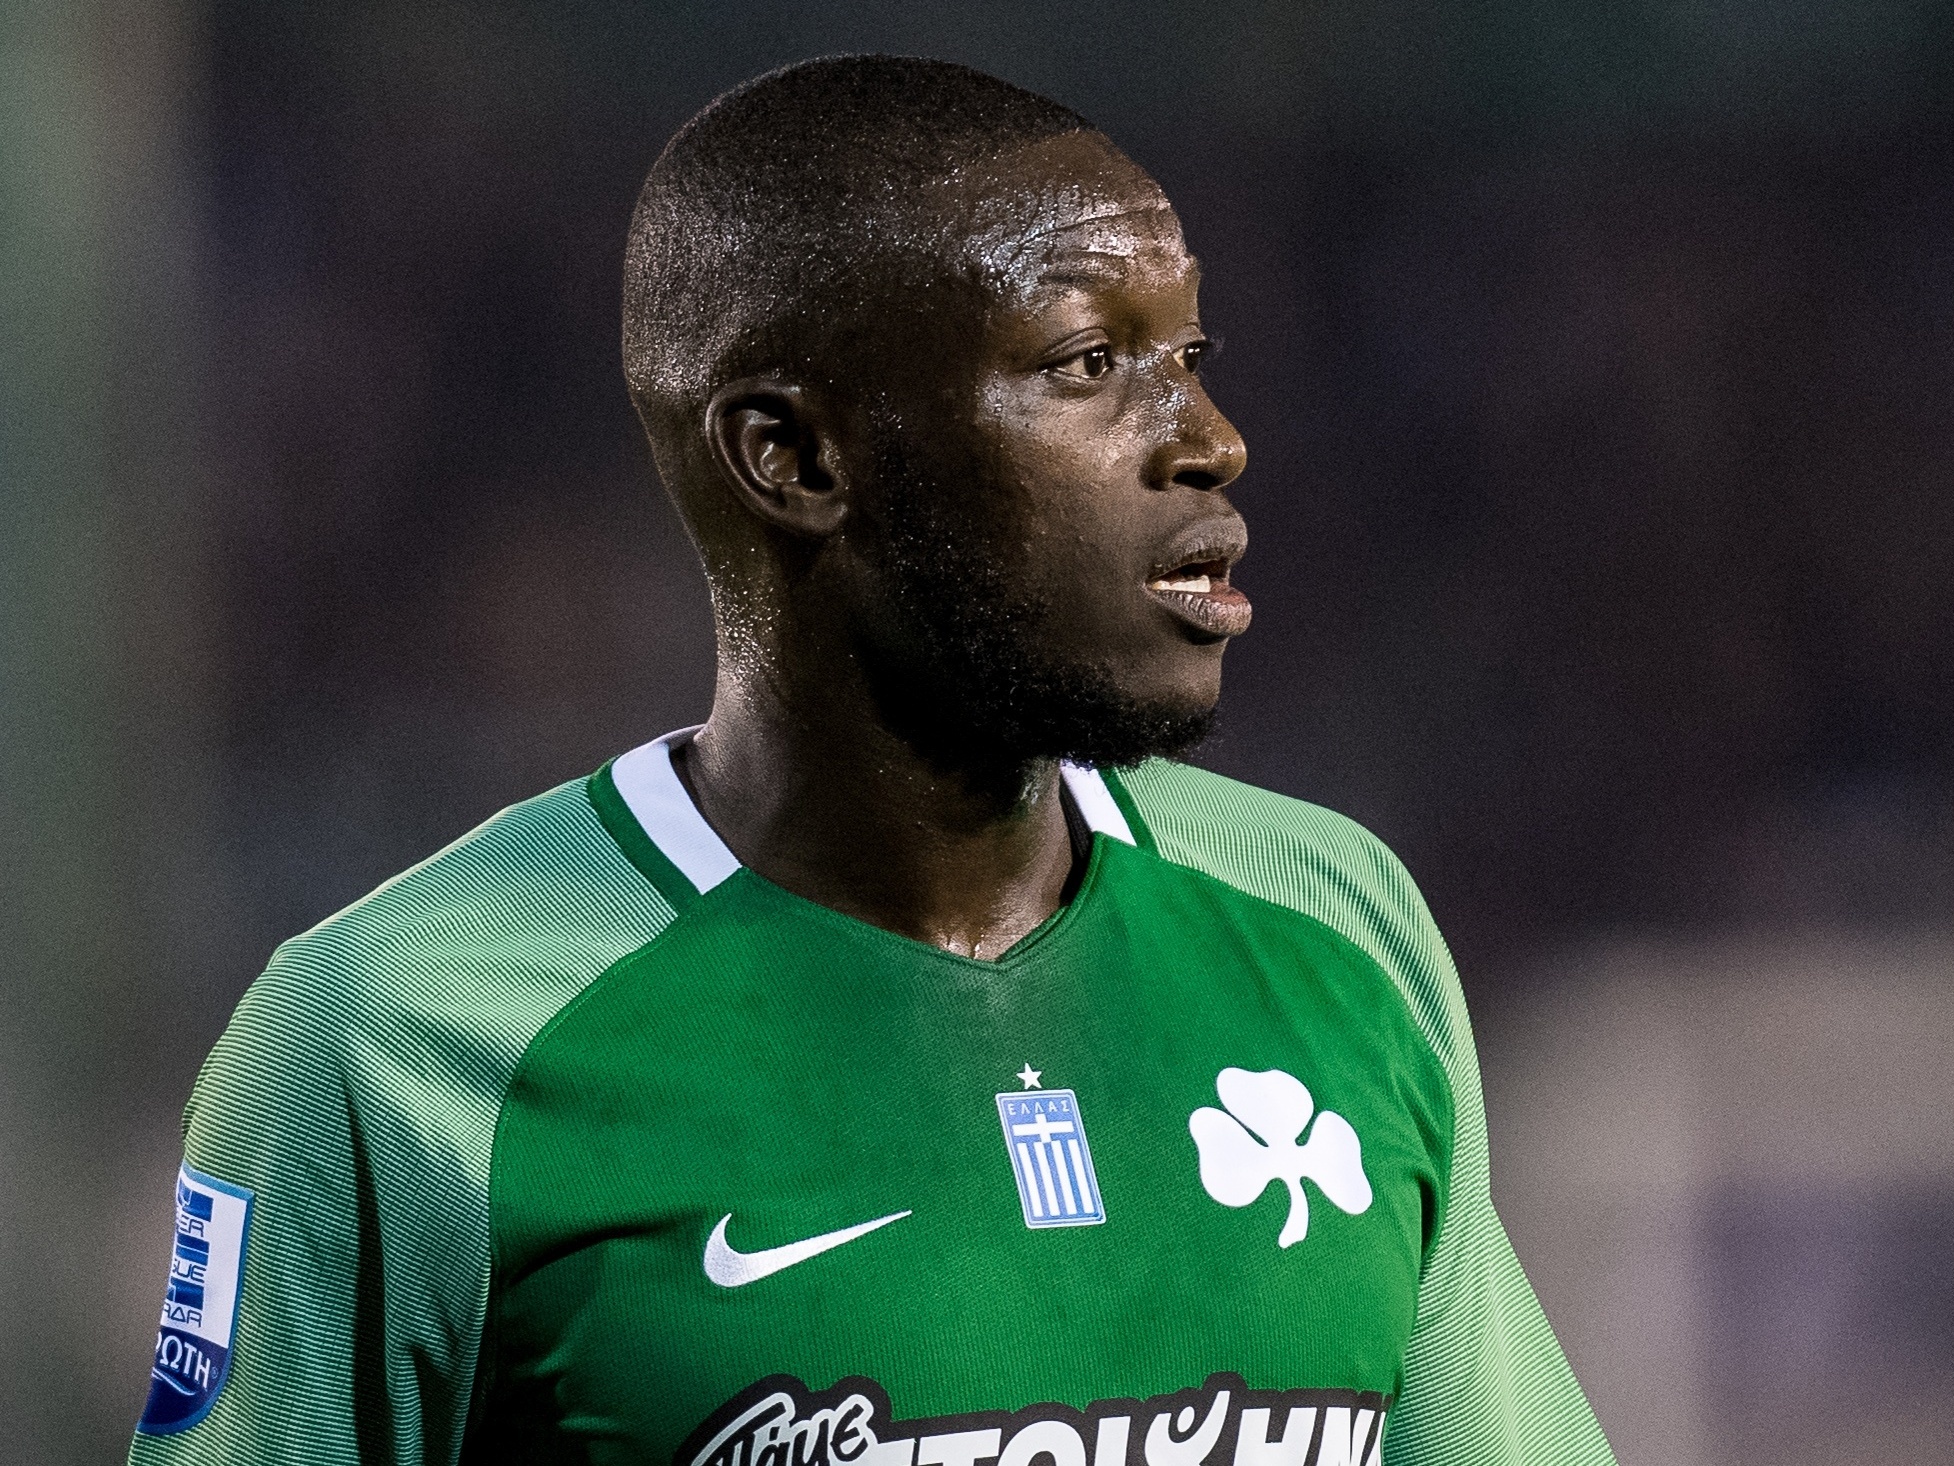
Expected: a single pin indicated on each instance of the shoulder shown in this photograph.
(438, 976)
(1314, 861)
(541, 879)
(1209, 819)
(352, 1102)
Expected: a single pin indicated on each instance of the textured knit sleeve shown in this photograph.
(330, 1271)
(1485, 1381)
(271, 1344)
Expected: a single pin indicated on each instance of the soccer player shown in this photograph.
(912, 1066)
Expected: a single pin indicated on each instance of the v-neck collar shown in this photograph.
(646, 808)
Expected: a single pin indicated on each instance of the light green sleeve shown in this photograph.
(270, 1113)
(355, 1095)
(1485, 1381)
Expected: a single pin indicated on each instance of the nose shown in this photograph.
(1204, 451)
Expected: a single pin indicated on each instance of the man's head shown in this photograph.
(916, 353)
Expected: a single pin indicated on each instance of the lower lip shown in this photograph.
(1222, 611)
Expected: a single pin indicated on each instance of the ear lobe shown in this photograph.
(774, 451)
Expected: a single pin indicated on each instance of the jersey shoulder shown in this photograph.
(404, 1015)
(536, 892)
(352, 1101)
(1317, 862)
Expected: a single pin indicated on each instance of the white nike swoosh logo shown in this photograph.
(732, 1269)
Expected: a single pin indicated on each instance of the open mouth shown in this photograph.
(1196, 578)
(1197, 591)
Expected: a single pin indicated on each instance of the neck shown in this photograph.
(810, 788)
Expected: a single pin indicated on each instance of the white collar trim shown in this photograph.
(651, 790)
(1095, 801)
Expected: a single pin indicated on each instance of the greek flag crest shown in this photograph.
(1045, 1136)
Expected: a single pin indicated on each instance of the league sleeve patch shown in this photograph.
(193, 1345)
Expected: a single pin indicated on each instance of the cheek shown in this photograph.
(1041, 431)
(1085, 527)
(1066, 475)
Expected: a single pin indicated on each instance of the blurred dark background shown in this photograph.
(1596, 364)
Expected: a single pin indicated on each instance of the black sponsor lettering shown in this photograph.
(779, 1421)
(851, 1433)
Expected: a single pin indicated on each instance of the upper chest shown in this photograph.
(1071, 1198)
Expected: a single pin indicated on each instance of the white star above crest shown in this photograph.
(1030, 1076)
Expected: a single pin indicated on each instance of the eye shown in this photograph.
(1195, 353)
(1092, 363)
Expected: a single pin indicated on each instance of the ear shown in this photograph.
(778, 454)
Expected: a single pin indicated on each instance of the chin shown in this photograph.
(1180, 682)
(1162, 735)
(1128, 727)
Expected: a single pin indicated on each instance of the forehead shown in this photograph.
(1071, 211)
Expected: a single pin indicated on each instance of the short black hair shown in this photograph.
(791, 199)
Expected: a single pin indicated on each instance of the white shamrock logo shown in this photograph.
(1236, 1167)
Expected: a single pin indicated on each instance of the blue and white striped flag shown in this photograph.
(1046, 1138)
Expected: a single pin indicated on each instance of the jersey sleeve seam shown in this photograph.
(497, 1263)
(1450, 1134)
(1449, 1129)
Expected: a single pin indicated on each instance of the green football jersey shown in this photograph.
(581, 1142)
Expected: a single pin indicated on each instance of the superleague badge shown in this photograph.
(193, 1346)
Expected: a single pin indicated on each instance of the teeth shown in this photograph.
(1198, 585)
